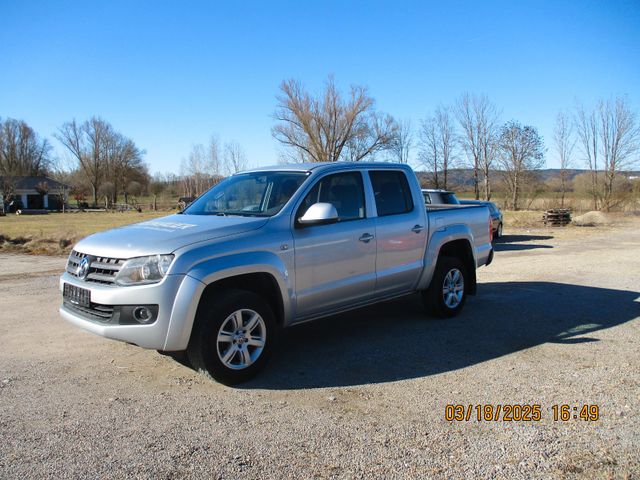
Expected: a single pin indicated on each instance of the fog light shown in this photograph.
(135, 314)
(142, 314)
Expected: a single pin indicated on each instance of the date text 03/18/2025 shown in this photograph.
(520, 413)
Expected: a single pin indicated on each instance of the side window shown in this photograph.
(392, 192)
(344, 190)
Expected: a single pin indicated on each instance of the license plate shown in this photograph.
(76, 295)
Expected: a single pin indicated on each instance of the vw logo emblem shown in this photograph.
(83, 269)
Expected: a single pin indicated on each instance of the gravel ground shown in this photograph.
(556, 321)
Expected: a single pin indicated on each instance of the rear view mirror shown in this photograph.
(319, 214)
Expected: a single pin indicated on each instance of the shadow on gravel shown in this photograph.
(510, 247)
(522, 238)
(515, 242)
(396, 340)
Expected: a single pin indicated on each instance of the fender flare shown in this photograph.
(436, 242)
(220, 268)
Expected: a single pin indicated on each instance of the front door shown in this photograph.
(335, 264)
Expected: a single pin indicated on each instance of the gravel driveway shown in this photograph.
(556, 321)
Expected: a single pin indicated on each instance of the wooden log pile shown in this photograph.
(557, 217)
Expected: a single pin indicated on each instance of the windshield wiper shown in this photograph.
(218, 214)
(235, 214)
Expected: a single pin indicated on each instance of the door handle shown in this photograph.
(417, 228)
(366, 237)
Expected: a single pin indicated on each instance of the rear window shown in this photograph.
(392, 192)
(450, 199)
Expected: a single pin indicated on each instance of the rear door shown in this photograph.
(401, 231)
(335, 264)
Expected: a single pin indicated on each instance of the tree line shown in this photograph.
(468, 133)
(103, 165)
(333, 127)
(347, 126)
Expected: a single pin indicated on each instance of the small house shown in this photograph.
(33, 192)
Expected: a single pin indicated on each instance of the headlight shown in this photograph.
(144, 270)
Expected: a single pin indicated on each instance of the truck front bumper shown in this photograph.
(177, 297)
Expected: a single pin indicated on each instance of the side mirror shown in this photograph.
(319, 214)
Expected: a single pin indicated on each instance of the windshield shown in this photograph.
(259, 194)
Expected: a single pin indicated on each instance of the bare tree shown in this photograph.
(106, 191)
(214, 162)
(430, 155)
(157, 185)
(103, 155)
(134, 188)
(609, 137)
(478, 119)
(200, 170)
(522, 152)
(401, 144)
(619, 140)
(7, 187)
(564, 144)
(438, 145)
(587, 130)
(234, 158)
(192, 171)
(86, 143)
(22, 151)
(330, 128)
(123, 162)
(447, 138)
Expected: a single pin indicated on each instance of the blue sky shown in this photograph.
(169, 74)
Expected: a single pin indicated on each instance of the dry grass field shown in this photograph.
(56, 233)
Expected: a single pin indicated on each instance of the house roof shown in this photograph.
(30, 182)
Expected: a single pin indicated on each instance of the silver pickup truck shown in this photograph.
(269, 248)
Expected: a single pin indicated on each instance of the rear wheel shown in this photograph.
(446, 295)
(233, 336)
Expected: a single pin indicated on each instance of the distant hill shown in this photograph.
(463, 177)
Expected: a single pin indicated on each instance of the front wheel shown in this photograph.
(233, 336)
(446, 295)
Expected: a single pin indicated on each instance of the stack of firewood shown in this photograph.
(557, 217)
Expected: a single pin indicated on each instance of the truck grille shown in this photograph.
(95, 311)
(101, 269)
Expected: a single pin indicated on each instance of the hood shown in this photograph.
(164, 235)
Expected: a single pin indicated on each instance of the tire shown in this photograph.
(441, 303)
(499, 231)
(222, 349)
